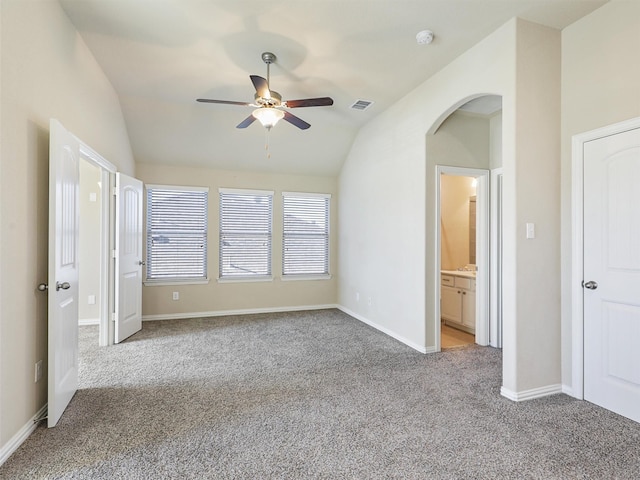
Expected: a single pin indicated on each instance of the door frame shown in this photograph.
(482, 250)
(107, 173)
(577, 244)
(495, 273)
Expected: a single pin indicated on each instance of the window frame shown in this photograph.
(307, 275)
(196, 280)
(269, 194)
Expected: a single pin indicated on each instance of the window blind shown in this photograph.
(176, 233)
(245, 233)
(305, 246)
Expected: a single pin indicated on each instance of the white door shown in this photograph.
(612, 273)
(128, 289)
(64, 215)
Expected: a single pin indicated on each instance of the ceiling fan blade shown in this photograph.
(261, 85)
(226, 102)
(298, 122)
(310, 102)
(246, 122)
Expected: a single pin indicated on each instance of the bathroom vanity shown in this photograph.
(458, 299)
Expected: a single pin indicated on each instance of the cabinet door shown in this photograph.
(469, 308)
(450, 305)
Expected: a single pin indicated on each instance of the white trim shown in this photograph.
(161, 283)
(19, 438)
(567, 390)
(177, 188)
(224, 313)
(482, 260)
(83, 322)
(243, 191)
(495, 256)
(577, 244)
(386, 331)
(95, 158)
(306, 194)
(531, 394)
(305, 277)
(243, 279)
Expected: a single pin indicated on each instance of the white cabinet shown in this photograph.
(458, 302)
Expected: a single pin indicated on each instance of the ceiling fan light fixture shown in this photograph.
(267, 116)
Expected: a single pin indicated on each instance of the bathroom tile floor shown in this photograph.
(452, 337)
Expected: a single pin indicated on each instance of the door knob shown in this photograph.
(140, 262)
(591, 285)
(43, 287)
(63, 286)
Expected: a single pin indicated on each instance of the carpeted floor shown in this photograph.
(311, 395)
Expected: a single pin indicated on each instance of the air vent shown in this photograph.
(361, 104)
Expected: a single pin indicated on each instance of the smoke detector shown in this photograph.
(425, 37)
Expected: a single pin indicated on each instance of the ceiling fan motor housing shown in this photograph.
(274, 101)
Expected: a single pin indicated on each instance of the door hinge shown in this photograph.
(115, 191)
(114, 253)
(114, 315)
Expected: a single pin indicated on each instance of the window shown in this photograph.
(176, 233)
(305, 246)
(245, 234)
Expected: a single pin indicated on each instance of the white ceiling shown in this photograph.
(160, 55)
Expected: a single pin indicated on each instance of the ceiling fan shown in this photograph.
(269, 104)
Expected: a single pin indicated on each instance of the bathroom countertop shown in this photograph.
(459, 273)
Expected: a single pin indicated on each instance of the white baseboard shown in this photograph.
(223, 313)
(386, 331)
(88, 321)
(531, 394)
(19, 438)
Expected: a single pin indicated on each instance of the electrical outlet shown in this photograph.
(176, 296)
(38, 372)
(357, 296)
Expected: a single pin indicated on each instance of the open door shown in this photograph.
(128, 271)
(64, 216)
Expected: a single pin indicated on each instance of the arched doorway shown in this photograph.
(465, 142)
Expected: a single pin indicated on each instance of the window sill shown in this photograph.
(268, 278)
(189, 281)
(293, 278)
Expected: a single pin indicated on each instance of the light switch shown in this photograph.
(531, 230)
(93, 197)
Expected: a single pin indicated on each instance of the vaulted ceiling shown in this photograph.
(160, 55)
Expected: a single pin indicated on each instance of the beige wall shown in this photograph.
(495, 141)
(89, 245)
(46, 71)
(216, 298)
(600, 86)
(463, 140)
(387, 192)
(532, 195)
(455, 193)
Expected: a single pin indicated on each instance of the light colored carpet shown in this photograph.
(314, 395)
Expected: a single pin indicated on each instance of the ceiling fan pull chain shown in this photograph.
(266, 144)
